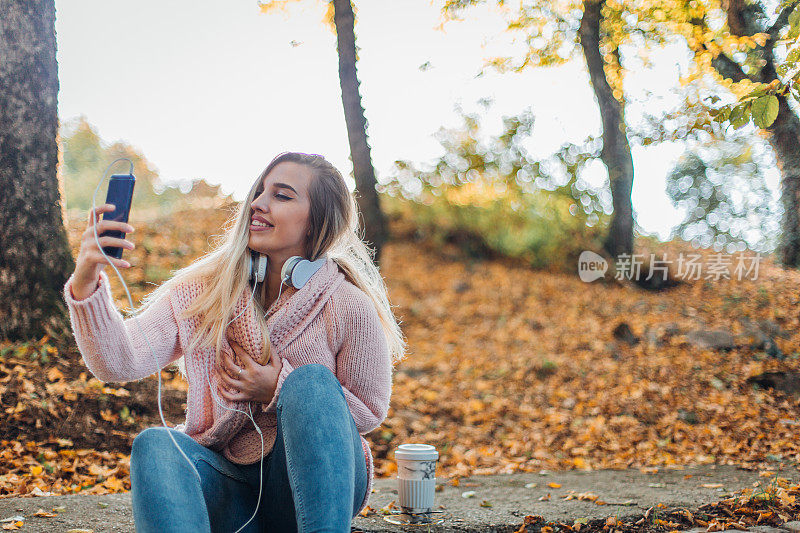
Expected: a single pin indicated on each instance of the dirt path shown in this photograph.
(626, 492)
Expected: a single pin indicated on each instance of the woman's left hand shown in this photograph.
(252, 382)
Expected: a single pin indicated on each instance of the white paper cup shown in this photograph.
(416, 476)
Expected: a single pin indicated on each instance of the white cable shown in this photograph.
(95, 220)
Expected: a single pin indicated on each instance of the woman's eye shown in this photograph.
(281, 196)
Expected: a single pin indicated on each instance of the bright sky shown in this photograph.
(214, 90)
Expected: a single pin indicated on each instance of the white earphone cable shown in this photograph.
(95, 220)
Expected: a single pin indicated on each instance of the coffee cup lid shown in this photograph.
(415, 451)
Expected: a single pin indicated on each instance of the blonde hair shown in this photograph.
(333, 221)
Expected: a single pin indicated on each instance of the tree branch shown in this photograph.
(779, 24)
(724, 65)
(729, 68)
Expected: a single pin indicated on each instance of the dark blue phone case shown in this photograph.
(120, 193)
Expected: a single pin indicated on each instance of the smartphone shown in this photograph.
(120, 193)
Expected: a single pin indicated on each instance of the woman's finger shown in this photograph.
(108, 225)
(234, 346)
(116, 242)
(229, 364)
(225, 379)
(232, 396)
(247, 359)
(222, 366)
(240, 352)
(230, 374)
(94, 214)
(99, 258)
(244, 356)
(237, 348)
(231, 358)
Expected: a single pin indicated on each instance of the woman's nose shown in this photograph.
(259, 203)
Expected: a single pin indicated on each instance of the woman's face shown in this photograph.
(281, 201)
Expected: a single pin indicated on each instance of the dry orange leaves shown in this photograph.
(509, 369)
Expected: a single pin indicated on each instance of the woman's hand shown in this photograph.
(90, 259)
(251, 382)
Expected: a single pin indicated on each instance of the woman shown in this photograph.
(307, 369)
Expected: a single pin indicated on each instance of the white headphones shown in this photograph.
(296, 271)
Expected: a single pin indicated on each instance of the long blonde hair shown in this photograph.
(333, 231)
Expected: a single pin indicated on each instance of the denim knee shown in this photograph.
(309, 383)
(150, 443)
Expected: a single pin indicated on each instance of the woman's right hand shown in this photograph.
(91, 260)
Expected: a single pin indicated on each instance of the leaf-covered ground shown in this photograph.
(508, 370)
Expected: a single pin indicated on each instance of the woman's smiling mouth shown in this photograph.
(259, 223)
(259, 226)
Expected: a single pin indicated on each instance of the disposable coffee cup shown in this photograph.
(416, 476)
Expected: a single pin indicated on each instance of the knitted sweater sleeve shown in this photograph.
(116, 349)
(286, 369)
(363, 363)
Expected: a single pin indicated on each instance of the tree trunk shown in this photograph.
(784, 137)
(364, 173)
(35, 258)
(616, 153)
(783, 134)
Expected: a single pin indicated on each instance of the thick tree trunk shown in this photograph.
(35, 258)
(784, 137)
(784, 133)
(616, 154)
(364, 173)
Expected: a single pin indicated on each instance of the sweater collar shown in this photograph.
(293, 311)
(303, 305)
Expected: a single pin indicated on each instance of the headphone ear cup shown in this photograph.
(258, 268)
(297, 271)
(262, 267)
(288, 268)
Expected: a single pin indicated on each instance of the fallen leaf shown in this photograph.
(366, 511)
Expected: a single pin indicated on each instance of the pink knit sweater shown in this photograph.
(329, 321)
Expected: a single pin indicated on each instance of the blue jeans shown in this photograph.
(315, 477)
